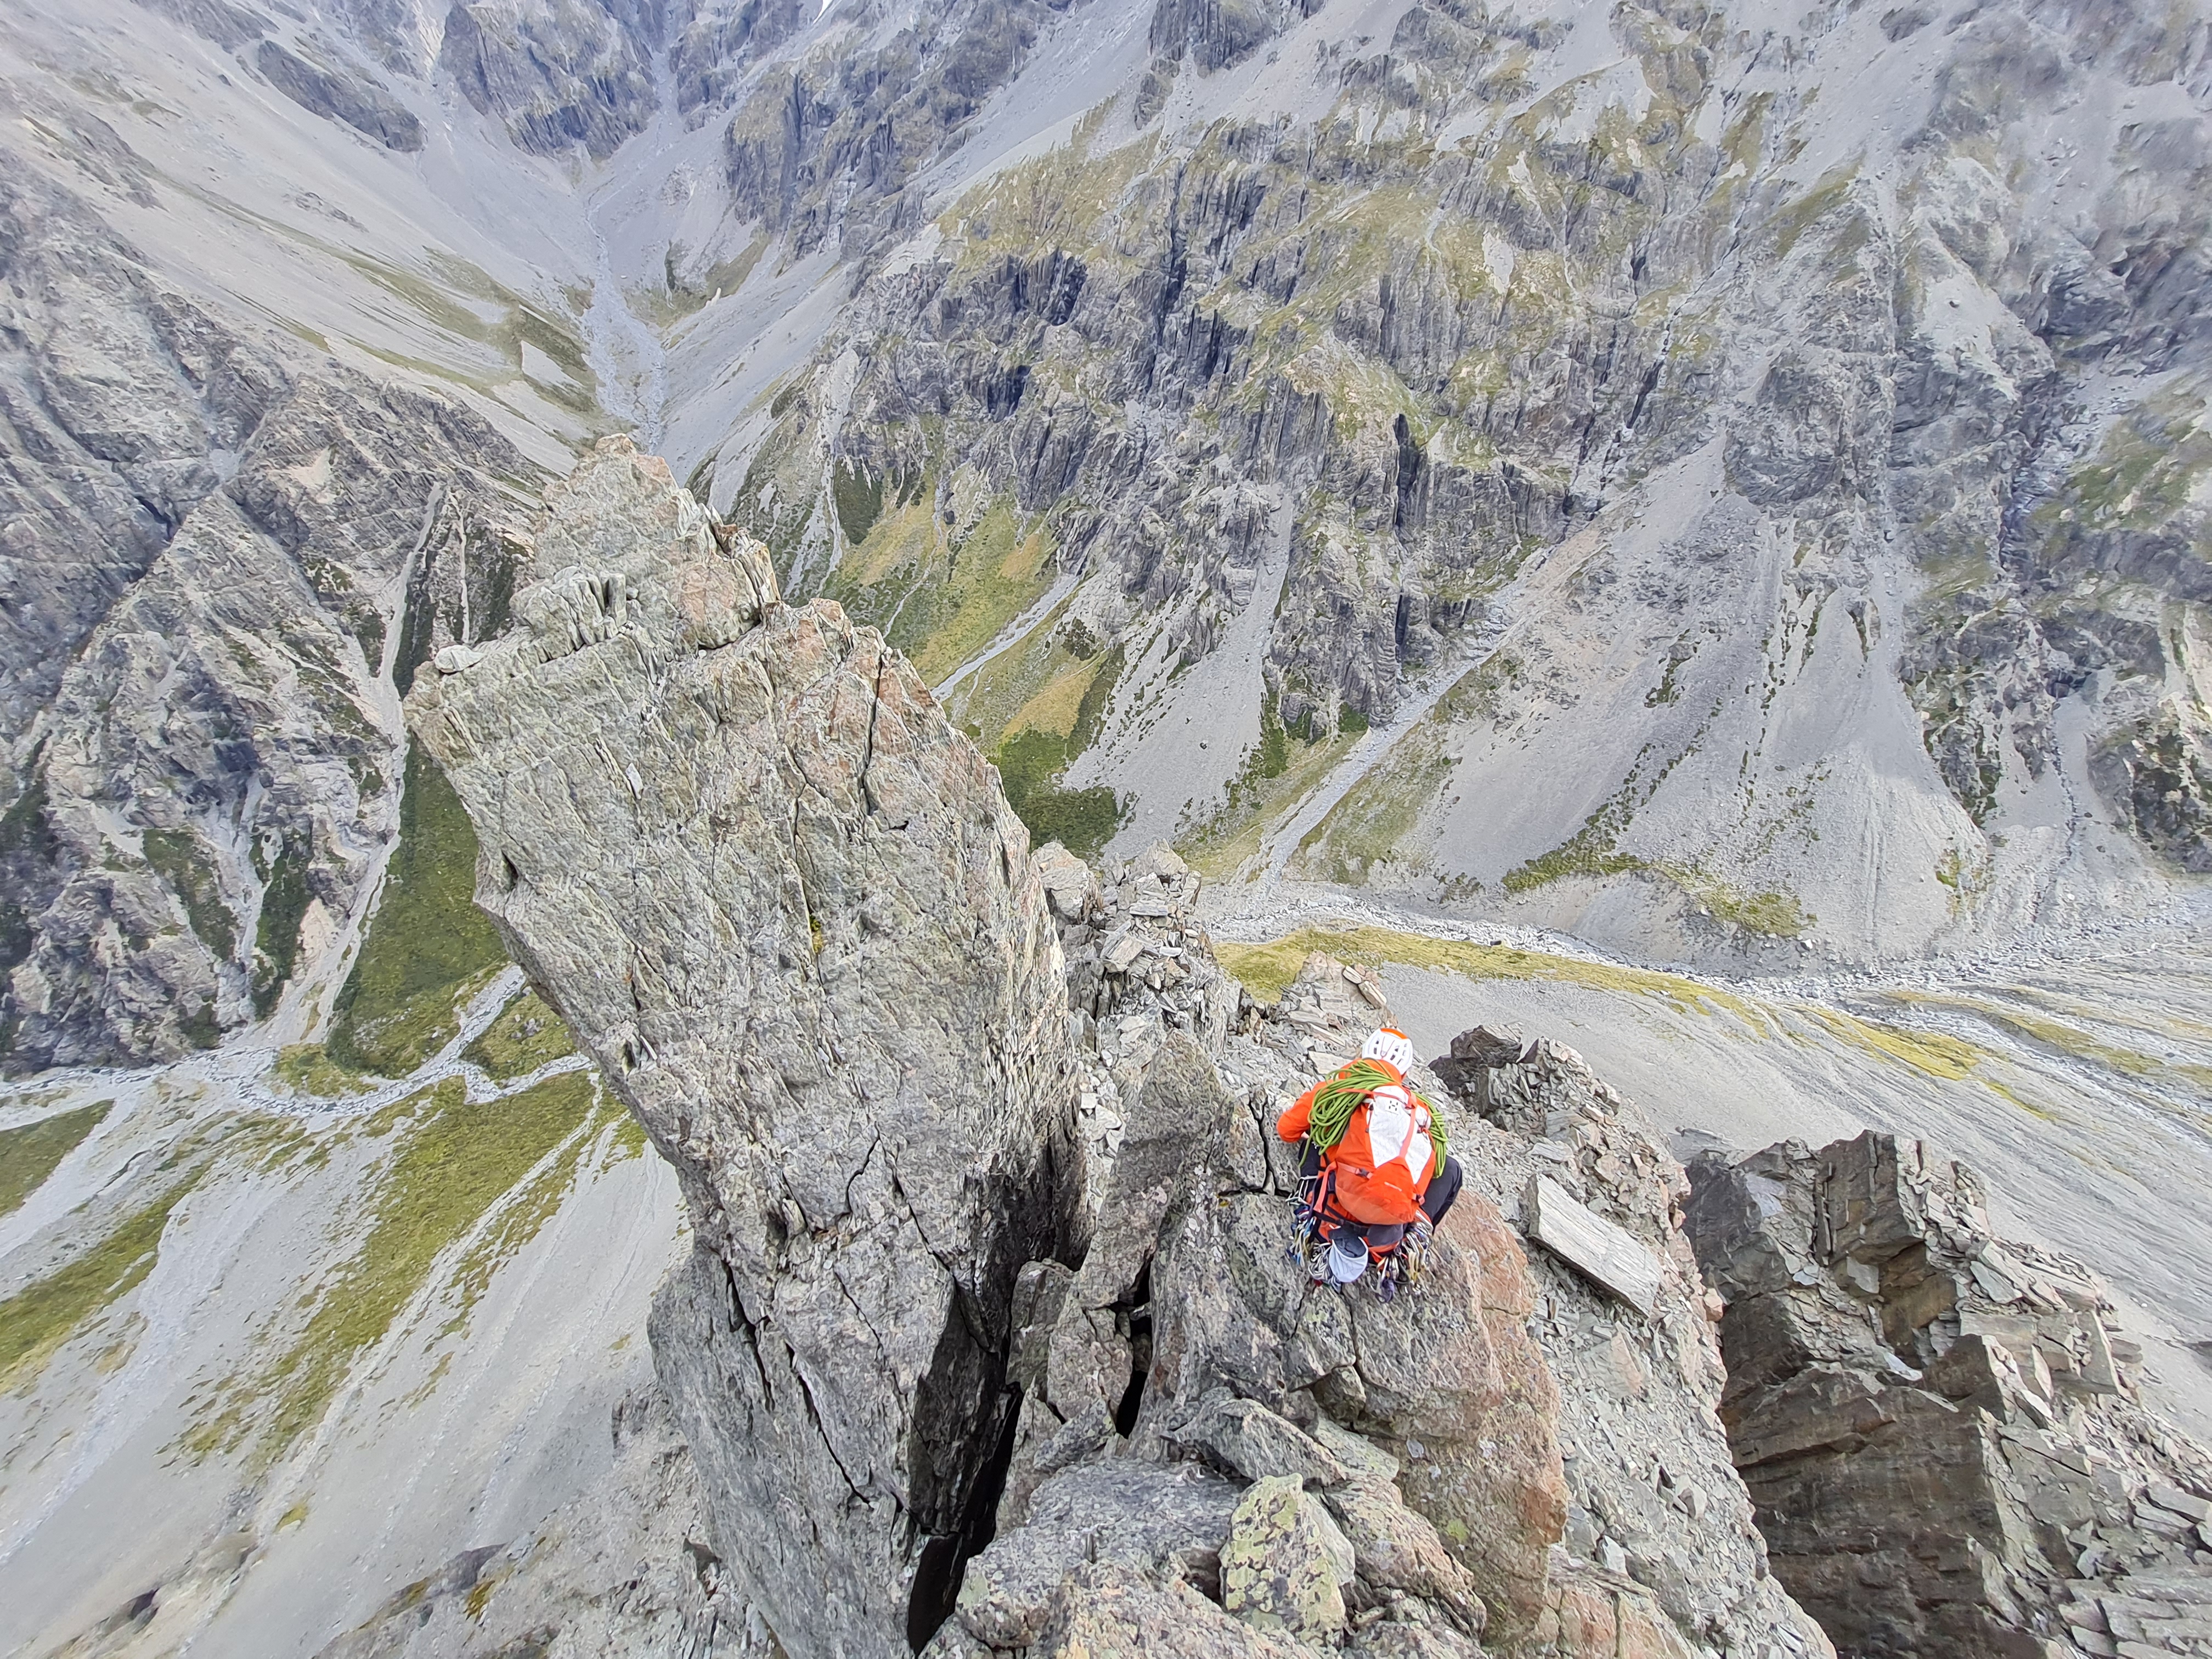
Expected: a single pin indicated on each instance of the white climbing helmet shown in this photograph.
(1392, 1047)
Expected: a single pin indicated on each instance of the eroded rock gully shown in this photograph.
(990, 1342)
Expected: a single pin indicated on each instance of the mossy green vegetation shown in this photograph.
(457, 302)
(180, 858)
(1593, 851)
(31, 1152)
(1590, 850)
(38, 1319)
(451, 1163)
(1771, 912)
(1082, 820)
(629, 1140)
(942, 600)
(1014, 689)
(859, 495)
(2061, 1037)
(527, 1035)
(306, 1069)
(2151, 465)
(1035, 709)
(1067, 198)
(1281, 770)
(1376, 821)
(1933, 1054)
(284, 899)
(679, 297)
(523, 1212)
(25, 836)
(427, 944)
(1265, 970)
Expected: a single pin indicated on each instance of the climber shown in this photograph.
(1376, 1177)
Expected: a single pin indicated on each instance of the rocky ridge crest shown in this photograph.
(991, 1341)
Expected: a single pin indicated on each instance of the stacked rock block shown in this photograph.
(1941, 1429)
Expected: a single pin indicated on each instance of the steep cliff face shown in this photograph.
(1715, 483)
(209, 542)
(1963, 1414)
(835, 1011)
(991, 1340)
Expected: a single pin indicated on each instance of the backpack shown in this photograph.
(1381, 1140)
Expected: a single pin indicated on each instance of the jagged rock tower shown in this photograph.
(789, 910)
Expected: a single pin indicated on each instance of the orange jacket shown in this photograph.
(1384, 1164)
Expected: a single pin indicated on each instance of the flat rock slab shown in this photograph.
(1590, 1244)
(1248, 1438)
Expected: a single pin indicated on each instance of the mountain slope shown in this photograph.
(1747, 427)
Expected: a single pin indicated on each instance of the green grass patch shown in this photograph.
(527, 1035)
(31, 1154)
(427, 944)
(993, 702)
(1265, 970)
(26, 839)
(1379, 813)
(307, 1070)
(1003, 568)
(450, 1165)
(2150, 466)
(1280, 770)
(858, 496)
(276, 936)
(37, 1320)
(1082, 820)
(1771, 912)
(524, 1214)
(178, 857)
(2051, 1034)
(1945, 1057)
(938, 601)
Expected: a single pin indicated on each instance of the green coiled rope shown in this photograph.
(1339, 1097)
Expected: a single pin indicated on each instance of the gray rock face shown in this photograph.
(368, 109)
(829, 149)
(623, 1570)
(1917, 428)
(205, 541)
(1951, 1409)
(838, 1012)
(1169, 1522)
(556, 75)
(1662, 1554)
(1217, 33)
(1253, 1442)
(1286, 1565)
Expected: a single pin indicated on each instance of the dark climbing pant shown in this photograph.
(1443, 1188)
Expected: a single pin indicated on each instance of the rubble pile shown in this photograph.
(1270, 1468)
(1941, 1429)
